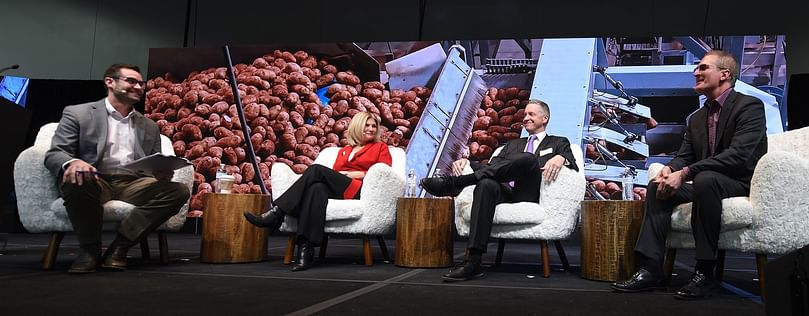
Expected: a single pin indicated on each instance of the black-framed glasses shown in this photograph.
(704, 67)
(132, 81)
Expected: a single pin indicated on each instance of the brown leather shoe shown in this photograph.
(86, 262)
(115, 258)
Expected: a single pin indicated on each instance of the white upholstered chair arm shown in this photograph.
(184, 175)
(463, 202)
(380, 188)
(654, 169)
(562, 201)
(778, 194)
(35, 188)
(282, 178)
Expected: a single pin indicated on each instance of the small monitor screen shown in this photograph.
(14, 89)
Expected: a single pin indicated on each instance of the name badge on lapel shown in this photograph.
(545, 151)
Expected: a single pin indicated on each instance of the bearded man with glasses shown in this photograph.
(91, 143)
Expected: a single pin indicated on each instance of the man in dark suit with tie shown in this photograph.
(514, 175)
(722, 145)
(90, 144)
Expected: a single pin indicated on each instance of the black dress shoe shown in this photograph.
(272, 220)
(466, 270)
(643, 280)
(115, 258)
(86, 262)
(306, 257)
(699, 287)
(441, 186)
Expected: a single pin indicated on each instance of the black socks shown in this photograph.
(465, 180)
(706, 267)
(475, 255)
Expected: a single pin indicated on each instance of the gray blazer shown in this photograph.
(82, 134)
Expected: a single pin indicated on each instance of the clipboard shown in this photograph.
(155, 162)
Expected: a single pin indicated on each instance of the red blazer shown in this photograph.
(363, 159)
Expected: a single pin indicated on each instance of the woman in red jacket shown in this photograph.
(306, 199)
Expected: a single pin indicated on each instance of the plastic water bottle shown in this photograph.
(628, 184)
(410, 190)
(219, 173)
(437, 173)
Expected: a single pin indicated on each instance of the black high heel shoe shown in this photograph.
(271, 220)
(306, 257)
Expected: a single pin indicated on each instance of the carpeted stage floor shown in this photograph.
(341, 285)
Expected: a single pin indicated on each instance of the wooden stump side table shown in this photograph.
(424, 232)
(227, 237)
(609, 232)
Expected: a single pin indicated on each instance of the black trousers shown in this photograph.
(307, 198)
(492, 188)
(706, 193)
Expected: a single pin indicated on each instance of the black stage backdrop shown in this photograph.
(46, 99)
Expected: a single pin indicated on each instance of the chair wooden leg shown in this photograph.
(144, 249)
(719, 272)
(383, 248)
(323, 245)
(163, 245)
(49, 257)
(546, 262)
(562, 256)
(668, 265)
(761, 260)
(501, 245)
(366, 251)
(290, 249)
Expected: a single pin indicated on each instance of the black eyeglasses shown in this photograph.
(704, 67)
(133, 81)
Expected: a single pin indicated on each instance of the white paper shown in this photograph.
(156, 162)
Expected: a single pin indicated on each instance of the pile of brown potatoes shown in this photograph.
(285, 117)
(499, 120)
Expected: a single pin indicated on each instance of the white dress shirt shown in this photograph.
(120, 146)
(539, 137)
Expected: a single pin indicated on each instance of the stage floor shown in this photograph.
(341, 284)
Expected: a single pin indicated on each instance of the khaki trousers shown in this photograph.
(155, 201)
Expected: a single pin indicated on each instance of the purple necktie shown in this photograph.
(714, 109)
(530, 147)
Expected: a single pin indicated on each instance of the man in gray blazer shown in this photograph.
(91, 143)
(514, 175)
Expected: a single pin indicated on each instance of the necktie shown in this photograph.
(530, 147)
(713, 119)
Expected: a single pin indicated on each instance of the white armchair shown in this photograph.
(42, 211)
(373, 214)
(772, 220)
(554, 217)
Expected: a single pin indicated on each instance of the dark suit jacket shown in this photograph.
(550, 146)
(558, 145)
(82, 134)
(741, 139)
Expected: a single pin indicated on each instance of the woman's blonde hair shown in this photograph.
(357, 125)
